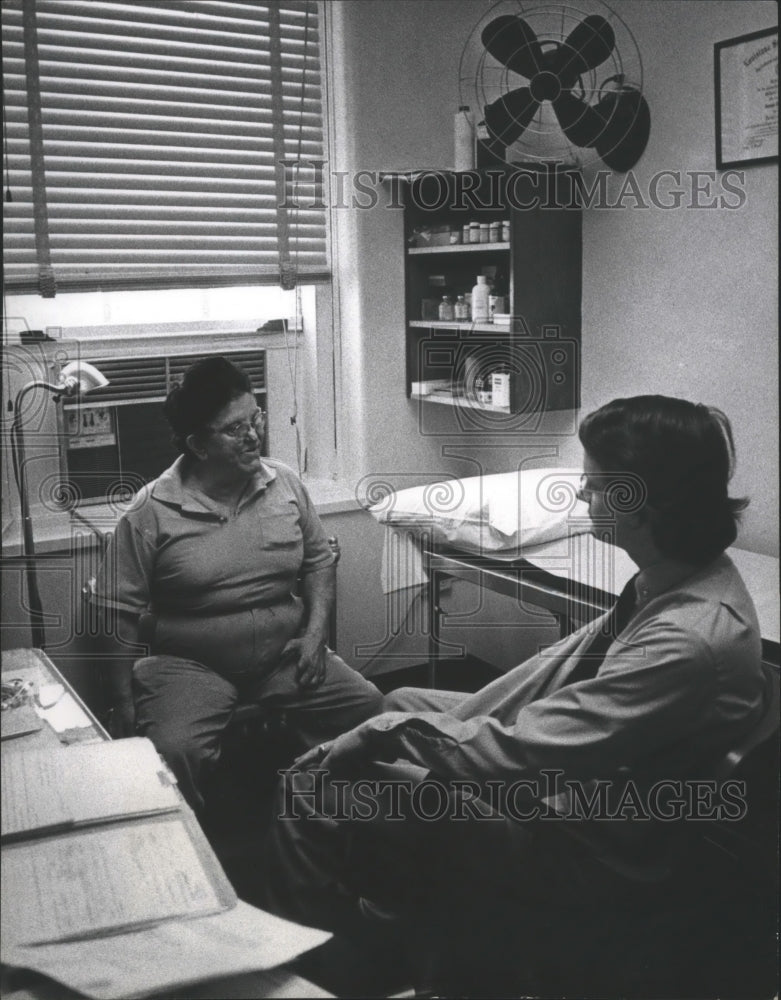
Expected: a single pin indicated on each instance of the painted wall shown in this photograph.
(685, 301)
(676, 301)
(679, 301)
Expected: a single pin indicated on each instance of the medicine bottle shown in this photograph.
(461, 308)
(496, 304)
(480, 300)
(483, 389)
(446, 310)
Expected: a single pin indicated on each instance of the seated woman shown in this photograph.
(652, 694)
(202, 569)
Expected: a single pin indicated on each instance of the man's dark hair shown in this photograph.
(683, 453)
(207, 387)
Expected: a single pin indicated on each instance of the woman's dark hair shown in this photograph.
(682, 456)
(207, 387)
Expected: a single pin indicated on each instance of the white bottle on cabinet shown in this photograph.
(500, 388)
(464, 140)
(480, 300)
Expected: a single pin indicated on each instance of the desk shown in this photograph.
(81, 727)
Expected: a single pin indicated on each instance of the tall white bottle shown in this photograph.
(480, 300)
(464, 140)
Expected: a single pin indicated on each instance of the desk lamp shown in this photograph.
(76, 378)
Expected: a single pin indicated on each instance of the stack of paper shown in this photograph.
(110, 887)
(95, 840)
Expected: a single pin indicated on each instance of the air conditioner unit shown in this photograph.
(117, 438)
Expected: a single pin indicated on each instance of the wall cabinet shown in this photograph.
(530, 223)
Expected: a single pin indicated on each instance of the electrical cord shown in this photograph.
(291, 352)
(290, 275)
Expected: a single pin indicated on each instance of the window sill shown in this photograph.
(57, 531)
(331, 496)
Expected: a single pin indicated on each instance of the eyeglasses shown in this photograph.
(585, 492)
(241, 428)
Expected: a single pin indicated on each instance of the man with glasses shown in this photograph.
(202, 570)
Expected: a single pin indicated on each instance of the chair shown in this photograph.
(708, 931)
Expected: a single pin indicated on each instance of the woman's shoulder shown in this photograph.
(711, 610)
(720, 583)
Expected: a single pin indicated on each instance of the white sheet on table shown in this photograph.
(584, 559)
(497, 515)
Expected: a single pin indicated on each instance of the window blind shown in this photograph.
(161, 144)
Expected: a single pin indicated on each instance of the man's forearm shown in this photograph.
(319, 589)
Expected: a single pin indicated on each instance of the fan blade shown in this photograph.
(508, 117)
(581, 123)
(586, 46)
(628, 126)
(512, 42)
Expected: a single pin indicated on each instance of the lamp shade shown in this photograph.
(81, 377)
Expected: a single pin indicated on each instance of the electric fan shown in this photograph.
(576, 95)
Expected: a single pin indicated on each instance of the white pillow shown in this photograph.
(499, 513)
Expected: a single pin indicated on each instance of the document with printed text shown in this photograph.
(55, 788)
(104, 879)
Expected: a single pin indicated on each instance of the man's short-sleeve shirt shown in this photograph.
(177, 551)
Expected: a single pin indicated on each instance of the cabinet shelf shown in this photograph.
(459, 248)
(459, 399)
(440, 324)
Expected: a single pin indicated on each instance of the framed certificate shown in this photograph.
(746, 92)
